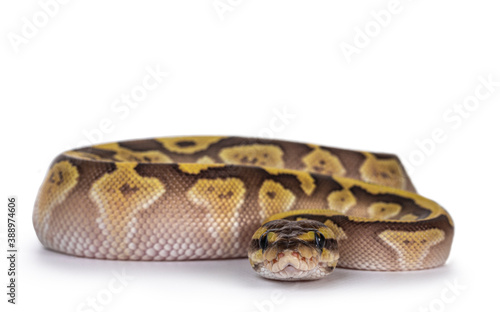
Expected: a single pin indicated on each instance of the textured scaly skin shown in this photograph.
(185, 198)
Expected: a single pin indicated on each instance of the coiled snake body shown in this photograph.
(182, 198)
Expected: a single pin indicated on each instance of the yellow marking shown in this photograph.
(188, 145)
(255, 154)
(409, 216)
(330, 258)
(81, 155)
(309, 236)
(255, 257)
(323, 162)
(126, 155)
(338, 232)
(306, 183)
(197, 168)
(312, 145)
(328, 213)
(271, 253)
(142, 157)
(272, 237)
(423, 202)
(382, 171)
(412, 247)
(58, 183)
(306, 180)
(273, 198)
(383, 211)
(328, 232)
(306, 251)
(108, 146)
(259, 232)
(341, 200)
(119, 195)
(222, 198)
(205, 160)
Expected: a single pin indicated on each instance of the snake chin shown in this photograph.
(291, 265)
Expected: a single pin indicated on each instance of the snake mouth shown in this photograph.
(290, 265)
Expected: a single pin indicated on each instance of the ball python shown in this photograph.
(295, 210)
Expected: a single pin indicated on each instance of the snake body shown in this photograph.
(186, 198)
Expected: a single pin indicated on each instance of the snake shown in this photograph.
(296, 210)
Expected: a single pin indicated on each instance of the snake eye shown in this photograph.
(320, 240)
(263, 241)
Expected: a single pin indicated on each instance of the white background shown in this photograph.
(233, 72)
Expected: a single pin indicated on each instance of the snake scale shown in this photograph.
(296, 210)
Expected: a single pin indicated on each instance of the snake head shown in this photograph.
(293, 250)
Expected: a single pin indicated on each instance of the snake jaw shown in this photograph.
(292, 265)
(291, 258)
